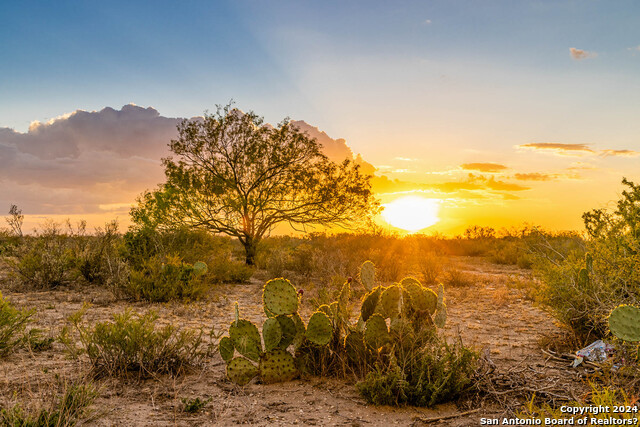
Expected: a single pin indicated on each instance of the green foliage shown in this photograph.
(161, 280)
(67, 409)
(437, 372)
(582, 289)
(194, 405)
(47, 259)
(13, 323)
(624, 323)
(133, 344)
(235, 175)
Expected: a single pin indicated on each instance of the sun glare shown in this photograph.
(412, 213)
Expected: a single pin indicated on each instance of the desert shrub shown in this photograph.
(66, 409)
(161, 280)
(13, 323)
(437, 372)
(581, 289)
(193, 406)
(227, 270)
(47, 259)
(132, 343)
(99, 257)
(456, 278)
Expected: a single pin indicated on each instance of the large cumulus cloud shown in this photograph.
(90, 162)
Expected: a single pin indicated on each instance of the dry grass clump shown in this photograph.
(65, 404)
(132, 344)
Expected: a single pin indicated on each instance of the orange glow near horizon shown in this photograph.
(412, 213)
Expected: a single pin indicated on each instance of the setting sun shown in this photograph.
(412, 213)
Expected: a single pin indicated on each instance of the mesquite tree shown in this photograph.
(236, 175)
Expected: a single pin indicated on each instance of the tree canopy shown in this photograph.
(236, 175)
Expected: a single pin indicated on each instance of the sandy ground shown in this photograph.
(491, 314)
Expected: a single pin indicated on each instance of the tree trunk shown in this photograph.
(250, 251)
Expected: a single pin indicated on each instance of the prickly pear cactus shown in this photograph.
(301, 331)
(422, 299)
(200, 268)
(241, 371)
(226, 348)
(271, 333)
(277, 366)
(441, 311)
(391, 301)
(280, 297)
(368, 275)
(376, 333)
(583, 277)
(369, 303)
(624, 322)
(319, 329)
(288, 328)
(246, 339)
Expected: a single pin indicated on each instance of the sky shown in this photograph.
(504, 112)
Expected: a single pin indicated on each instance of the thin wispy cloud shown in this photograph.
(484, 167)
(621, 153)
(558, 148)
(580, 54)
(576, 150)
(544, 176)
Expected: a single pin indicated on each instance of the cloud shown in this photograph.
(558, 148)
(90, 162)
(576, 150)
(484, 167)
(472, 187)
(622, 153)
(579, 54)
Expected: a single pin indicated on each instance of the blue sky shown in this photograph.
(441, 82)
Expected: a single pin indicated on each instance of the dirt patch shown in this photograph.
(492, 314)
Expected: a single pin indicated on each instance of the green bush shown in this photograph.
(579, 289)
(438, 372)
(47, 259)
(67, 409)
(133, 344)
(161, 280)
(13, 323)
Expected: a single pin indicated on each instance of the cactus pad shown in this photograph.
(376, 333)
(440, 294)
(200, 268)
(343, 300)
(226, 348)
(410, 281)
(326, 310)
(280, 297)
(271, 333)
(277, 366)
(246, 339)
(422, 299)
(369, 303)
(441, 316)
(300, 331)
(583, 277)
(624, 322)
(391, 301)
(241, 371)
(354, 346)
(319, 329)
(288, 328)
(368, 275)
